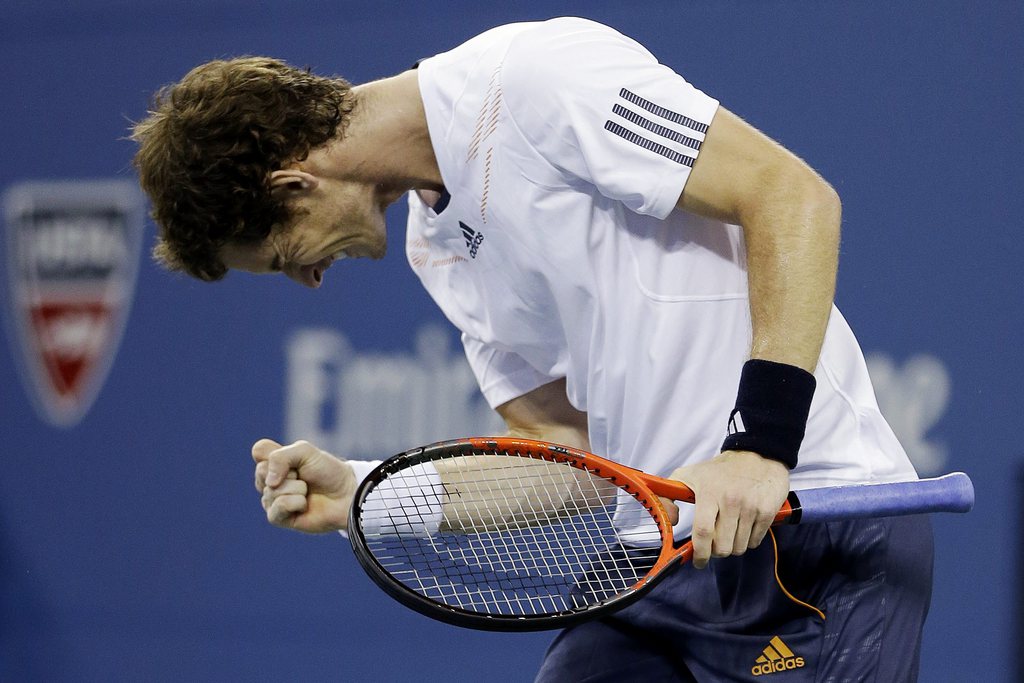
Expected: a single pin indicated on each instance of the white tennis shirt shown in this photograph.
(564, 146)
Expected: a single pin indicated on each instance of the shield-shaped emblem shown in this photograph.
(72, 256)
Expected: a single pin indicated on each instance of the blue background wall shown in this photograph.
(133, 547)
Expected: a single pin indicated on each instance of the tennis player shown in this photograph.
(634, 270)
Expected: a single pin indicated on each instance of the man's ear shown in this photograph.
(291, 181)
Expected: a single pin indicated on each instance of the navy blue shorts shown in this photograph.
(731, 622)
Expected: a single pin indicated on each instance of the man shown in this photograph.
(632, 268)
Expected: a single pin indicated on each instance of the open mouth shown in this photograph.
(321, 266)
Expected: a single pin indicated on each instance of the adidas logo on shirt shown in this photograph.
(777, 657)
(473, 239)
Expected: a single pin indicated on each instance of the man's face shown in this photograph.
(332, 221)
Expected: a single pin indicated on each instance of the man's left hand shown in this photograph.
(738, 494)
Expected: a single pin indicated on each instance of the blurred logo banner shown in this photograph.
(73, 252)
(371, 404)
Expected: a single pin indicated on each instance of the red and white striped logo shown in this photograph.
(72, 256)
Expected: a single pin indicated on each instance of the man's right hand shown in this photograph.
(303, 487)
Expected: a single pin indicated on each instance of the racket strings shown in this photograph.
(517, 536)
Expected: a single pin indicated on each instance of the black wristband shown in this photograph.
(772, 406)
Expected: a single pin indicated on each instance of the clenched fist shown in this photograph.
(303, 487)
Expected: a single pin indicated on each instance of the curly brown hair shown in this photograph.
(208, 147)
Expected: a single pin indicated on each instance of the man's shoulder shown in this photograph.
(567, 58)
(537, 43)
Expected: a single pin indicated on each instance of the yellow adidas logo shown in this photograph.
(776, 658)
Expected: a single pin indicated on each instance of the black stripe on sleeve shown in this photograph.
(649, 145)
(656, 128)
(666, 114)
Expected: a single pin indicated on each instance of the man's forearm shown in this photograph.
(792, 242)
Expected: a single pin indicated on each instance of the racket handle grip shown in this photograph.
(950, 493)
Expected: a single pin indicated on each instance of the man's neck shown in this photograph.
(387, 139)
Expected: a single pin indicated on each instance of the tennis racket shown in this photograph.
(517, 535)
